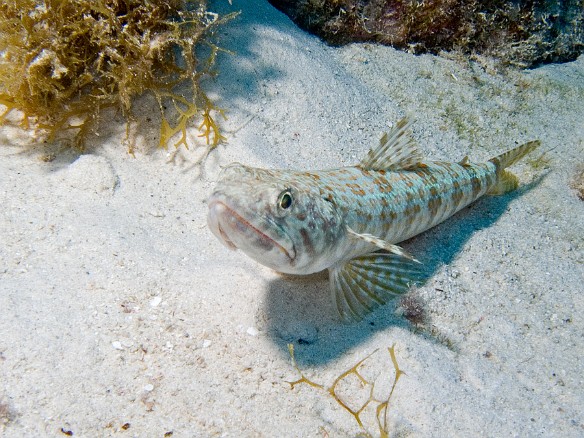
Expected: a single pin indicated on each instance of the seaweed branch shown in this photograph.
(382, 405)
(62, 62)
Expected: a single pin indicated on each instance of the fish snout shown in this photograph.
(260, 242)
(217, 210)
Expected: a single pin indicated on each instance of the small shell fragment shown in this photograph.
(252, 331)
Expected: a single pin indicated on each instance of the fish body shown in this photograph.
(349, 220)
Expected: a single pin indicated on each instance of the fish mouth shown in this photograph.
(227, 224)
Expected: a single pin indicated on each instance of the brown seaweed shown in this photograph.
(381, 407)
(63, 62)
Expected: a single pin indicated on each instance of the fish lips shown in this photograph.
(237, 232)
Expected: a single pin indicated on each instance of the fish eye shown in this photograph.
(285, 200)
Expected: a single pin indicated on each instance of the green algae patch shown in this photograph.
(577, 182)
(62, 62)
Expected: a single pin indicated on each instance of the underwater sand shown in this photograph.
(122, 315)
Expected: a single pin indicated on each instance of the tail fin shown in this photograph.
(506, 181)
(509, 158)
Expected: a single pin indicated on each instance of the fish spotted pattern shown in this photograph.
(349, 220)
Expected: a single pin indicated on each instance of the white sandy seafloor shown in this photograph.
(122, 315)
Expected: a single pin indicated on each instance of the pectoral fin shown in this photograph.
(362, 284)
(381, 244)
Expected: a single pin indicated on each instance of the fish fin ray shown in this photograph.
(380, 243)
(465, 162)
(510, 157)
(397, 150)
(506, 182)
(362, 284)
(342, 296)
(365, 293)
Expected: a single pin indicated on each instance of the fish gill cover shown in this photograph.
(63, 61)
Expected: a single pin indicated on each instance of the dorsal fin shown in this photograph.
(465, 161)
(397, 150)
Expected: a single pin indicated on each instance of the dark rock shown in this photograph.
(521, 32)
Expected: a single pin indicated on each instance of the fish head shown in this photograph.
(278, 218)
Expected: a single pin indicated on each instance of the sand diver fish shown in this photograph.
(348, 220)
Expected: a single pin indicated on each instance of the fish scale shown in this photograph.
(402, 204)
(349, 220)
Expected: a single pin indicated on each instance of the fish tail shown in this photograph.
(507, 181)
(509, 158)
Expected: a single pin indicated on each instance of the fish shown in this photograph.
(349, 220)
